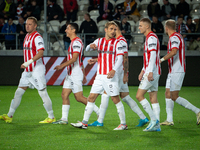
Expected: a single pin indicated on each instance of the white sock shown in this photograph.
(183, 102)
(88, 111)
(156, 110)
(15, 101)
(169, 109)
(133, 105)
(96, 109)
(46, 102)
(103, 107)
(145, 104)
(65, 112)
(121, 112)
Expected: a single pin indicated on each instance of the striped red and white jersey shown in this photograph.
(108, 50)
(125, 48)
(177, 62)
(33, 43)
(151, 44)
(76, 46)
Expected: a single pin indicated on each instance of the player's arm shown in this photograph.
(69, 62)
(172, 53)
(35, 58)
(125, 60)
(141, 74)
(152, 62)
(84, 77)
(92, 46)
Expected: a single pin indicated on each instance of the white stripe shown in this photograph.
(46, 59)
(61, 77)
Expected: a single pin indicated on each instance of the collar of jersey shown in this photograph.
(119, 36)
(172, 34)
(109, 39)
(32, 33)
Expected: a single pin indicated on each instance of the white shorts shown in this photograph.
(74, 83)
(123, 87)
(149, 85)
(174, 81)
(102, 83)
(35, 79)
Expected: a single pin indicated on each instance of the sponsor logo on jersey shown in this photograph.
(174, 42)
(152, 44)
(40, 43)
(76, 47)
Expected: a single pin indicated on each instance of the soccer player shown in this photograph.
(124, 91)
(34, 72)
(149, 75)
(110, 58)
(74, 78)
(176, 63)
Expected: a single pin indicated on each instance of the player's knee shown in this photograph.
(91, 99)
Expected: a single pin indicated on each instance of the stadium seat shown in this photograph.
(195, 1)
(165, 39)
(53, 28)
(102, 23)
(135, 46)
(195, 6)
(62, 23)
(118, 2)
(143, 13)
(101, 29)
(112, 2)
(54, 23)
(139, 38)
(94, 18)
(81, 13)
(160, 2)
(15, 22)
(78, 22)
(58, 45)
(132, 23)
(83, 7)
(80, 18)
(175, 2)
(163, 22)
(82, 2)
(188, 1)
(145, 2)
(194, 12)
(94, 13)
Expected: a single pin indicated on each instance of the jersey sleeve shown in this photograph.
(152, 43)
(39, 43)
(175, 42)
(77, 46)
(125, 46)
(119, 48)
(96, 42)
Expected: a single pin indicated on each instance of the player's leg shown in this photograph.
(185, 103)
(155, 104)
(14, 104)
(121, 113)
(133, 105)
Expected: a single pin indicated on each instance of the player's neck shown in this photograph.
(31, 32)
(171, 32)
(107, 38)
(117, 35)
(147, 32)
(72, 37)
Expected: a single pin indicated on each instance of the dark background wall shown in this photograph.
(10, 72)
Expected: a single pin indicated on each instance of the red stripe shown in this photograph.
(106, 48)
(55, 76)
(100, 54)
(88, 68)
(92, 80)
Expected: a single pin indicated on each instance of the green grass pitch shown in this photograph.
(26, 133)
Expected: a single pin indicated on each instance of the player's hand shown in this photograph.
(91, 61)
(140, 76)
(84, 80)
(111, 74)
(59, 67)
(22, 66)
(125, 78)
(150, 76)
(93, 46)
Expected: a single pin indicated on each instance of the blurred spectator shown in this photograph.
(32, 10)
(7, 9)
(154, 9)
(182, 9)
(54, 11)
(19, 10)
(157, 27)
(94, 5)
(126, 29)
(118, 12)
(130, 10)
(182, 28)
(70, 9)
(9, 27)
(195, 45)
(2, 22)
(192, 28)
(105, 11)
(88, 26)
(168, 10)
(66, 39)
(22, 31)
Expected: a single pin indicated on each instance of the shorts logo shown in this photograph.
(110, 86)
(72, 83)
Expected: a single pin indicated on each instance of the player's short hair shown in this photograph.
(118, 24)
(110, 23)
(74, 26)
(171, 24)
(32, 18)
(146, 20)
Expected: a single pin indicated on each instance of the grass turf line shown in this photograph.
(26, 133)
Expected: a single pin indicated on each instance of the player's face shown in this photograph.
(30, 26)
(69, 31)
(111, 31)
(142, 27)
